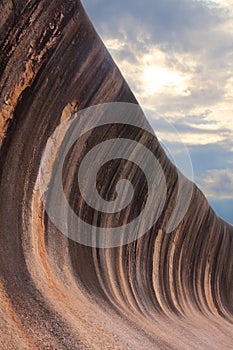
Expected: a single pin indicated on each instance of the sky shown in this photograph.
(177, 57)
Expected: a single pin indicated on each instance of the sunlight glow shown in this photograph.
(158, 79)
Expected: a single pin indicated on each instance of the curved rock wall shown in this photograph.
(162, 291)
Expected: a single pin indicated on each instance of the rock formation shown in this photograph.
(161, 291)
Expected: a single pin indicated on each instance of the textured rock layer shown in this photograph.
(163, 291)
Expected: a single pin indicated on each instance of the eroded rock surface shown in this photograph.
(163, 291)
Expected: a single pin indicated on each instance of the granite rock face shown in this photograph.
(163, 290)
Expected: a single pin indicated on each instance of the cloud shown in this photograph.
(192, 130)
(218, 183)
(169, 23)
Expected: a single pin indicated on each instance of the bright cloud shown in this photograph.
(158, 77)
